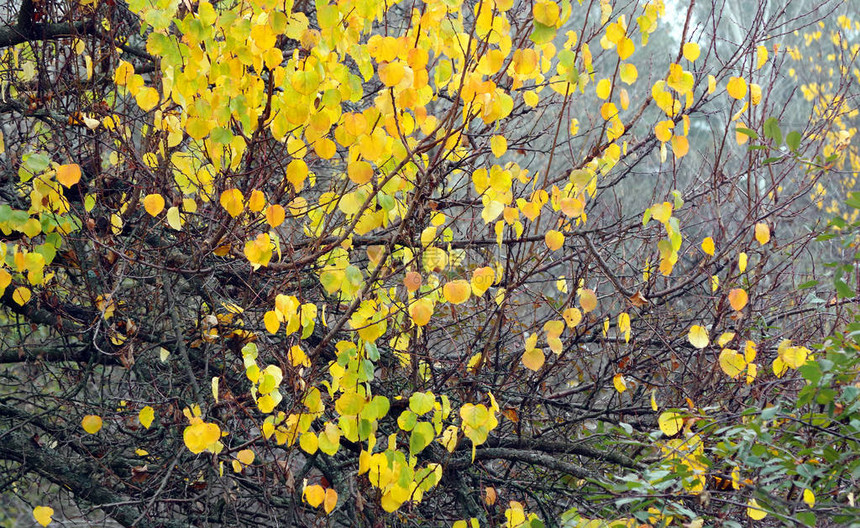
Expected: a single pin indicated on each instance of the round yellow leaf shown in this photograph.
(91, 423)
(200, 436)
(457, 292)
(43, 515)
(21, 295)
(153, 203)
(737, 87)
(670, 423)
(482, 279)
(691, 51)
(499, 145)
(754, 511)
(146, 415)
(270, 321)
(275, 215)
(732, 362)
(147, 98)
(421, 311)
(360, 172)
(587, 300)
(232, 201)
(762, 233)
(533, 359)
(698, 336)
(572, 316)
(708, 246)
(554, 239)
(245, 456)
(314, 495)
(69, 175)
(619, 382)
(257, 201)
(738, 299)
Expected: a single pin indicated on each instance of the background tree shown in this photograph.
(276, 262)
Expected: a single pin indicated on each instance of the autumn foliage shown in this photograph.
(439, 263)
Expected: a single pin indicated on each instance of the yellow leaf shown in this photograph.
(754, 511)
(761, 57)
(200, 436)
(421, 311)
(708, 246)
(738, 299)
(257, 201)
(214, 384)
(742, 262)
(762, 233)
(360, 172)
(43, 515)
(691, 51)
(619, 382)
(271, 322)
(625, 48)
(629, 74)
(670, 423)
(680, 146)
(69, 175)
(737, 87)
(21, 295)
(732, 362)
(654, 400)
(482, 279)
(146, 415)
(91, 423)
(147, 98)
(698, 336)
(712, 84)
(604, 88)
(275, 215)
(245, 456)
(809, 497)
(533, 359)
(587, 300)
(499, 145)
(755, 93)
(153, 203)
(173, 218)
(330, 500)
(231, 200)
(412, 280)
(572, 316)
(314, 495)
(554, 239)
(457, 292)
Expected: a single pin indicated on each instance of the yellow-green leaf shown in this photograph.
(698, 336)
(670, 422)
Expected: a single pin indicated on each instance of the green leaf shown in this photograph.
(542, 34)
(421, 437)
(746, 131)
(772, 131)
(793, 140)
(842, 289)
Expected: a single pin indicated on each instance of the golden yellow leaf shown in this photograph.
(754, 511)
(271, 322)
(809, 497)
(314, 495)
(330, 500)
(43, 515)
(457, 292)
(625, 48)
(421, 311)
(572, 316)
(360, 172)
(698, 336)
(275, 215)
(742, 262)
(69, 175)
(200, 436)
(91, 423)
(604, 88)
(146, 415)
(533, 359)
(680, 146)
(619, 382)
(21, 295)
(712, 84)
(762, 233)
(761, 57)
(587, 300)
(738, 299)
(490, 495)
(708, 246)
(232, 201)
(257, 201)
(670, 423)
(153, 203)
(737, 87)
(691, 51)
(482, 279)
(628, 74)
(246, 457)
(147, 98)
(499, 145)
(554, 239)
